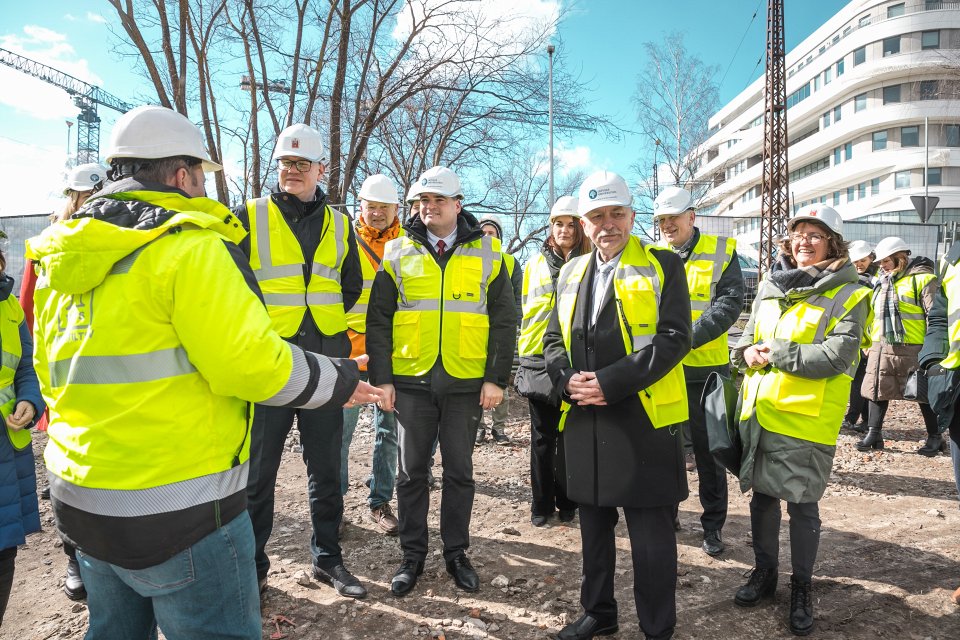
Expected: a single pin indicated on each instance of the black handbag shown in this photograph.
(719, 402)
(916, 387)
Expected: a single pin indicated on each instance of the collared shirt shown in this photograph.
(447, 242)
(601, 281)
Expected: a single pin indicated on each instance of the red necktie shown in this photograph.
(441, 247)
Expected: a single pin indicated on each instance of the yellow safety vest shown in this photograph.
(637, 282)
(277, 262)
(950, 280)
(511, 263)
(538, 289)
(804, 408)
(12, 316)
(911, 308)
(706, 264)
(454, 298)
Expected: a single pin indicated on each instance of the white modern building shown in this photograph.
(859, 91)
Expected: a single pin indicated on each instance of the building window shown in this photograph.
(851, 193)
(836, 198)
(799, 95)
(891, 46)
(810, 169)
(953, 135)
(934, 177)
(839, 67)
(826, 120)
(910, 136)
(835, 40)
(902, 180)
(860, 102)
(879, 140)
(929, 89)
(827, 75)
(895, 10)
(930, 40)
(861, 190)
(874, 186)
(836, 156)
(891, 94)
(848, 151)
(816, 82)
(837, 112)
(933, 4)
(859, 56)
(864, 21)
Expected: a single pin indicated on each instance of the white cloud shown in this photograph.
(38, 173)
(566, 159)
(70, 17)
(96, 17)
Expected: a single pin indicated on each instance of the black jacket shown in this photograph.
(943, 385)
(306, 220)
(500, 309)
(614, 456)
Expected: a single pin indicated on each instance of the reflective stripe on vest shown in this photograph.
(537, 292)
(12, 316)
(911, 308)
(951, 289)
(805, 408)
(706, 264)
(636, 285)
(277, 261)
(454, 298)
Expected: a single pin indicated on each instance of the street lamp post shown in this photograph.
(550, 50)
(656, 184)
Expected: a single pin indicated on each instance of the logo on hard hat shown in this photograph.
(94, 178)
(295, 143)
(423, 182)
(593, 194)
(656, 205)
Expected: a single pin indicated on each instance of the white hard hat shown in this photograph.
(860, 249)
(672, 201)
(414, 193)
(493, 220)
(564, 206)
(152, 132)
(889, 246)
(603, 189)
(822, 213)
(300, 141)
(379, 188)
(441, 181)
(85, 177)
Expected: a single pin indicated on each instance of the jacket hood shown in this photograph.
(467, 228)
(918, 265)
(77, 254)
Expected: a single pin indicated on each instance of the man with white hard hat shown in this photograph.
(716, 300)
(614, 346)
(377, 224)
(441, 330)
(305, 258)
(168, 343)
(862, 257)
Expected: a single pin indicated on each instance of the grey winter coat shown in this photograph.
(778, 465)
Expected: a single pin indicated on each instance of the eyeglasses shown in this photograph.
(812, 238)
(301, 165)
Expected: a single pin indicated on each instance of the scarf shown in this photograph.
(893, 331)
(803, 277)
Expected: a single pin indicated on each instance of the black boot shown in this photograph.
(873, 440)
(762, 584)
(801, 607)
(934, 445)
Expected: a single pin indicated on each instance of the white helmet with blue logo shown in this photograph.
(603, 189)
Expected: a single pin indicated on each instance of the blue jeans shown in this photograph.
(206, 591)
(955, 454)
(383, 474)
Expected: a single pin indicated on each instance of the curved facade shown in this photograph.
(859, 90)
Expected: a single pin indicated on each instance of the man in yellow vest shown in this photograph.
(617, 335)
(441, 330)
(304, 256)
(377, 224)
(716, 300)
(151, 343)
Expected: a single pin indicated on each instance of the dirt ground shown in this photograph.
(889, 559)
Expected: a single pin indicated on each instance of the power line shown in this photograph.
(744, 37)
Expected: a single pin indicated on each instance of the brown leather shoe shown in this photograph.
(383, 517)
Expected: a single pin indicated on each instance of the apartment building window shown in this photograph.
(860, 102)
(930, 40)
(874, 186)
(934, 177)
(837, 112)
(891, 46)
(861, 190)
(859, 56)
(891, 94)
(929, 89)
(839, 67)
(816, 82)
(851, 193)
(879, 140)
(953, 135)
(810, 169)
(864, 21)
(848, 151)
(827, 75)
(836, 156)
(799, 95)
(836, 198)
(895, 10)
(910, 136)
(933, 4)
(826, 120)
(901, 180)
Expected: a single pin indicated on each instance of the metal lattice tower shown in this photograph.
(775, 192)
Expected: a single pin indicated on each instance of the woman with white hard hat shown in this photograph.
(82, 182)
(901, 301)
(565, 241)
(861, 255)
(799, 351)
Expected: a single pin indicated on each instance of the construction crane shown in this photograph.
(85, 96)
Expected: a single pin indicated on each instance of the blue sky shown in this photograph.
(601, 42)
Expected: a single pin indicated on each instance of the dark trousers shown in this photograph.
(712, 475)
(857, 406)
(878, 410)
(321, 432)
(804, 534)
(653, 547)
(546, 460)
(422, 419)
(7, 558)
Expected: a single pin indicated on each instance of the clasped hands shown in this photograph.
(584, 389)
(757, 356)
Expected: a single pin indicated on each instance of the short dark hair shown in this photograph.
(151, 170)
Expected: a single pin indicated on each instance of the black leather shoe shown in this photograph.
(676, 522)
(45, 494)
(566, 515)
(538, 520)
(340, 579)
(762, 584)
(801, 607)
(463, 573)
(587, 627)
(73, 585)
(713, 543)
(406, 577)
(934, 445)
(873, 440)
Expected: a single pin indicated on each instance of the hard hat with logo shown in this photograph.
(672, 201)
(379, 188)
(564, 206)
(822, 213)
(85, 177)
(413, 195)
(603, 189)
(492, 220)
(889, 246)
(152, 132)
(440, 180)
(860, 249)
(300, 141)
